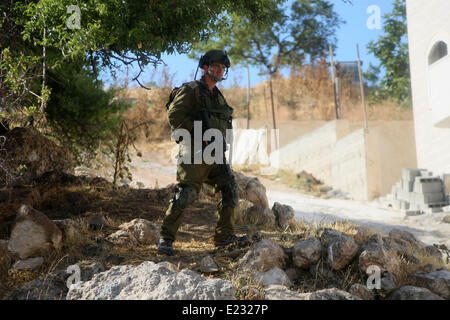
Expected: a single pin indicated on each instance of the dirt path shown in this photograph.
(155, 165)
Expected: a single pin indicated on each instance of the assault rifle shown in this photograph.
(207, 125)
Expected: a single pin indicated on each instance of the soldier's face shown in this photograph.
(217, 70)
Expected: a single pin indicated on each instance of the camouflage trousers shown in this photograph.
(190, 178)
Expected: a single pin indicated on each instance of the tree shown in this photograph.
(302, 34)
(392, 51)
(79, 112)
(42, 39)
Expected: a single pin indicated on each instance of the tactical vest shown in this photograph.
(220, 113)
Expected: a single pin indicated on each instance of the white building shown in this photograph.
(429, 41)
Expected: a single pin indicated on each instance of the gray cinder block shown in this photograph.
(428, 185)
(446, 182)
(427, 198)
(407, 185)
(410, 174)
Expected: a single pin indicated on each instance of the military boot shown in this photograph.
(165, 246)
(232, 239)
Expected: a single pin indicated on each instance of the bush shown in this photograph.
(81, 114)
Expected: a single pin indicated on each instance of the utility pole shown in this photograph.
(361, 84)
(265, 104)
(338, 89)
(248, 98)
(273, 111)
(333, 80)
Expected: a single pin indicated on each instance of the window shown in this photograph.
(438, 52)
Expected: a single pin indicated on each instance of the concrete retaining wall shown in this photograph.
(364, 165)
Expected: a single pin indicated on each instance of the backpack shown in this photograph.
(199, 96)
(175, 91)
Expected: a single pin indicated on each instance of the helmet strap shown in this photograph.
(215, 78)
(195, 77)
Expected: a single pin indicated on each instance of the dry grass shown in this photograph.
(148, 115)
(5, 264)
(303, 181)
(194, 241)
(306, 94)
(247, 288)
(408, 268)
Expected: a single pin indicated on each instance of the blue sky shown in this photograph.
(355, 30)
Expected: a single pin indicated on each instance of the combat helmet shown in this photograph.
(214, 56)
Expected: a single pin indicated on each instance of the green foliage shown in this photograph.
(392, 51)
(130, 30)
(302, 32)
(62, 83)
(80, 113)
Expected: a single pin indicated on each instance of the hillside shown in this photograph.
(83, 220)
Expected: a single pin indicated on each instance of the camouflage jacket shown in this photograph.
(190, 99)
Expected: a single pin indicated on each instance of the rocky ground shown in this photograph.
(66, 236)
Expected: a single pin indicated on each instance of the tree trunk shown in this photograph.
(273, 110)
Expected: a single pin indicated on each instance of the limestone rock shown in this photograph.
(137, 231)
(142, 230)
(380, 256)
(375, 239)
(361, 233)
(404, 242)
(263, 217)
(434, 252)
(328, 235)
(330, 294)
(284, 215)
(53, 286)
(208, 265)
(120, 237)
(28, 264)
(437, 282)
(361, 291)
(341, 251)
(262, 256)
(33, 234)
(151, 281)
(168, 265)
(388, 282)
(251, 189)
(272, 277)
(279, 292)
(28, 148)
(306, 252)
(414, 293)
(404, 235)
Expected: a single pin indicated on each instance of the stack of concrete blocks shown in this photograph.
(419, 191)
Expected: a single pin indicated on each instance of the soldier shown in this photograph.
(185, 108)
